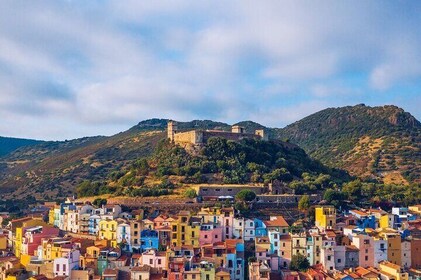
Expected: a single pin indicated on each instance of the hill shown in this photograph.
(9, 144)
(172, 169)
(382, 143)
(54, 168)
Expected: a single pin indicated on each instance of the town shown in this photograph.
(77, 240)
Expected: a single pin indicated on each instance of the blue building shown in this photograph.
(149, 239)
(93, 224)
(259, 228)
(366, 222)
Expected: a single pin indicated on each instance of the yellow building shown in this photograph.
(415, 208)
(108, 231)
(17, 231)
(185, 230)
(325, 217)
(391, 271)
(3, 241)
(53, 248)
(222, 274)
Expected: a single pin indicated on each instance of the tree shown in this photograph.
(190, 193)
(98, 202)
(245, 195)
(304, 203)
(299, 263)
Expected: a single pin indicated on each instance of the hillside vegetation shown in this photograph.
(220, 161)
(382, 143)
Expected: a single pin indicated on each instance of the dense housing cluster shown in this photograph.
(80, 241)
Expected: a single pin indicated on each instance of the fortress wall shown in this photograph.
(228, 135)
(185, 137)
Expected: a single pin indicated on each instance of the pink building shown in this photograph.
(154, 259)
(33, 238)
(210, 233)
(227, 218)
(365, 244)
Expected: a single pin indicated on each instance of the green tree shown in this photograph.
(304, 203)
(190, 193)
(299, 263)
(98, 202)
(245, 195)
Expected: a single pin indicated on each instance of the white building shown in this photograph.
(249, 230)
(238, 228)
(124, 235)
(380, 250)
(406, 254)
(62, 266)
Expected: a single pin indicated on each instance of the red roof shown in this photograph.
(277, 221)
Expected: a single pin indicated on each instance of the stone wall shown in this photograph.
(215, 191)
(285, 198)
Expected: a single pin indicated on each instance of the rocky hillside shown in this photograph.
(381, 143)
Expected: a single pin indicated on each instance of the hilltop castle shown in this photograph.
(200, 136)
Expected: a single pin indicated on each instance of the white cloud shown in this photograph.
(119, 62)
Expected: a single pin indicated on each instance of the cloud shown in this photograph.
(99, 67)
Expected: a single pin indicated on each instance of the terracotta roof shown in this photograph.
(389, 264)
(142, 268)
(277, 221)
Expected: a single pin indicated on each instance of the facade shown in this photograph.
(325, 217)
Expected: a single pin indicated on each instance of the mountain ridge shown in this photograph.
(384, 141)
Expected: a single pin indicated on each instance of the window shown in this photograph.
(150, 261)
(339, 260)
(159, 261)
(57, 267)
(328, 258)
(366, 258)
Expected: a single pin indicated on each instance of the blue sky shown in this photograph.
(78, 68)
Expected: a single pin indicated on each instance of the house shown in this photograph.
(325, 217)
(149, 240)
(391, 271)
(68, 261)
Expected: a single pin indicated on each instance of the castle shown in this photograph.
(200, 137)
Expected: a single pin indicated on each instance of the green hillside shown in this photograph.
(382, 143)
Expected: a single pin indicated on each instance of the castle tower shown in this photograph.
(237, 129)
(171, 129)
(262, 134)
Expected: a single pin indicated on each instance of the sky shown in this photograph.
(70, 69)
